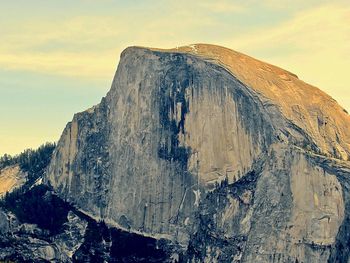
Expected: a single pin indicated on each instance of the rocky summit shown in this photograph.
(202, 154)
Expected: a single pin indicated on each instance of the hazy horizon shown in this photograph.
(57, 59)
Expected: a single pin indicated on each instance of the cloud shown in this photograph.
(222, 7)
(79, 47)
(315, 28)
(310, 38)
(89, 46)
(314, 44)
(87, 65)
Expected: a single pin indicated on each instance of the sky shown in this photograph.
(59, 57)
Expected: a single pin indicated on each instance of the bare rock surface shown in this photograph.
(24, 242)
(10, 178)
(231, 158)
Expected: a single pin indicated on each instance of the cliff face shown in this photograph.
(11, 178)
(232, 158)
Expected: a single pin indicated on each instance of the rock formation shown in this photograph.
(11, 177)
(230, 158)
(29, 242)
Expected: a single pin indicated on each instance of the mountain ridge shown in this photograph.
(234, 162)
(246, 69)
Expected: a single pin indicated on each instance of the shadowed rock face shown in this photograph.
(190, 148)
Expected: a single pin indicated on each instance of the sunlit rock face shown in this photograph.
(187, 146)
(11, 177)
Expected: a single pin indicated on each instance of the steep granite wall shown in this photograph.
(187, 147)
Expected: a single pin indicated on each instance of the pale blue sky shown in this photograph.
(59, 57)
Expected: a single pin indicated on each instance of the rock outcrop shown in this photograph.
(37, 226)
(231, 158)
(11, 177)
(25, 242)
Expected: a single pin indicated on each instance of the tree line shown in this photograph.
(34, 162)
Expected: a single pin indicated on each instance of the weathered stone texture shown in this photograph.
(188, 146)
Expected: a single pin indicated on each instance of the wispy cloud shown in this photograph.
(86, 65)
(50, 41)
(309, 29)
(80, 46)
(314, 44)
(223, 6)
(89, 46)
